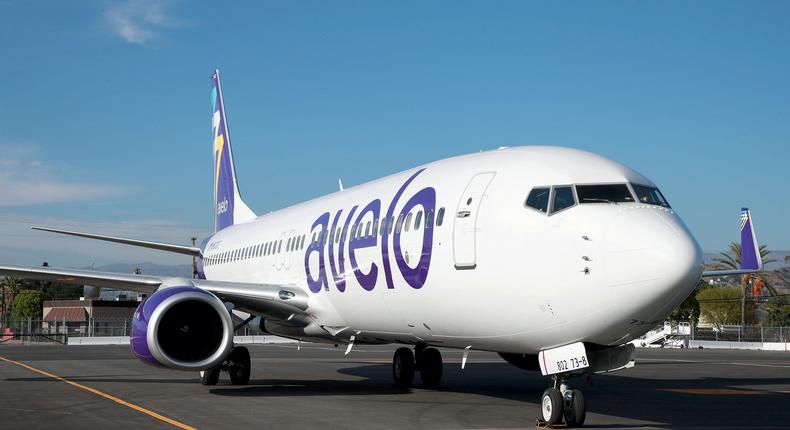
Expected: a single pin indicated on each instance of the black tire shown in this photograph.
(403, 367)
(551, 406)
(431, 368)
(209, 376)
(239, 367)
(577, 412)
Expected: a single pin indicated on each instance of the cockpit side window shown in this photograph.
(562, 199)
(650, 195)
(609, 193)
(538, 199)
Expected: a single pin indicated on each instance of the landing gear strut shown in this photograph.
(237, 365)
(558, 401)
(428, 361)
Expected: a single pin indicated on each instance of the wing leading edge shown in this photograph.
(273, 300)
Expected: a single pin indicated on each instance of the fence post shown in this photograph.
(740, 329)
(29, 329)
(762, 336)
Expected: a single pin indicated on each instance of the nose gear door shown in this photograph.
(465, 221)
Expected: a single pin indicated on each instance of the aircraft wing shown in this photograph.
(273, 300)
(179, 249)
(751, 261)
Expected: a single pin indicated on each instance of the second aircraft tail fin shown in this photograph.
(750, 250)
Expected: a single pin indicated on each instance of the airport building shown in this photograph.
(82, 316)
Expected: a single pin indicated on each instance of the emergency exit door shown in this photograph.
(465, 225)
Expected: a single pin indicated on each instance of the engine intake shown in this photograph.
(182, 327)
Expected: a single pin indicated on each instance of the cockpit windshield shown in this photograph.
(650, 195)
(609, 193)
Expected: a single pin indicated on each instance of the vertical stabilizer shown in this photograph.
(750, 251)
(228, 206)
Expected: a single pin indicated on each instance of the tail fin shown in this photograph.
(228, 206)
(751, 261)
(750, 250)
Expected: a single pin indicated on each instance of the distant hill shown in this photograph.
(182, 270)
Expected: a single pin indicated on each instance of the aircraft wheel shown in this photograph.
(209, 376)
(403, 367)
(551, 406)
(577, 410)
(431, 367)
(239, 367)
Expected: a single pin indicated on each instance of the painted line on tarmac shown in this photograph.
(716, 391)
(102, 394)
(727, 363)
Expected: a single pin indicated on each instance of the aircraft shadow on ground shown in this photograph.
(671, 403)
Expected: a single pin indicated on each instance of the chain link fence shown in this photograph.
(736, 333)
(30, 330)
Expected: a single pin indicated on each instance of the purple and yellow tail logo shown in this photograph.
(229, 209)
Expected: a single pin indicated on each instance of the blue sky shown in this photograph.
(106, 113)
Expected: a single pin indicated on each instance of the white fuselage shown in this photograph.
(495, 275)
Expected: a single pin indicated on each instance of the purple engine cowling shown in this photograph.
(182, 327)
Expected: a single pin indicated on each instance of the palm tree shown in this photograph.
(732, 261)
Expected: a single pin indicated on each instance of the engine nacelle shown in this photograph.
(182, 327)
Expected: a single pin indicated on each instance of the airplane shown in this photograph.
(553, 257)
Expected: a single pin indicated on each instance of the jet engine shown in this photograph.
(182, 327)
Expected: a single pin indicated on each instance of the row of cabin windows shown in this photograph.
(565, 196)
(356, 231)
(295, 243)
(412, 221)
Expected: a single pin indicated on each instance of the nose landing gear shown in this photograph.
(558, 401)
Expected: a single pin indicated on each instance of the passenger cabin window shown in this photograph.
(417, 219)
(429, 219)
(538, 199)
(440, 217)
(611, 193)
(408, 221)
(650, 195)
(562, 199)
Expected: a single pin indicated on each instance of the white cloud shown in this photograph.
(28, 180)
(138, 21)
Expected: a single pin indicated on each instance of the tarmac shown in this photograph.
(318, 387)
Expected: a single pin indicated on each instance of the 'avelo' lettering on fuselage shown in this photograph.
(414, 276)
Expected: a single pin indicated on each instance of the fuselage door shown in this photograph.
(465, 224)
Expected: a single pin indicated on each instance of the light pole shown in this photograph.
(194, 260)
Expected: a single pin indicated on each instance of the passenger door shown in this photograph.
(465, 225)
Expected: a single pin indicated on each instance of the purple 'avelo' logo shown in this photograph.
(326, 248)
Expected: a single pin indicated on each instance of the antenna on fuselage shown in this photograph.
(340, 183)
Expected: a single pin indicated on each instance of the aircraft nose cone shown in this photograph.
(652, 260)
